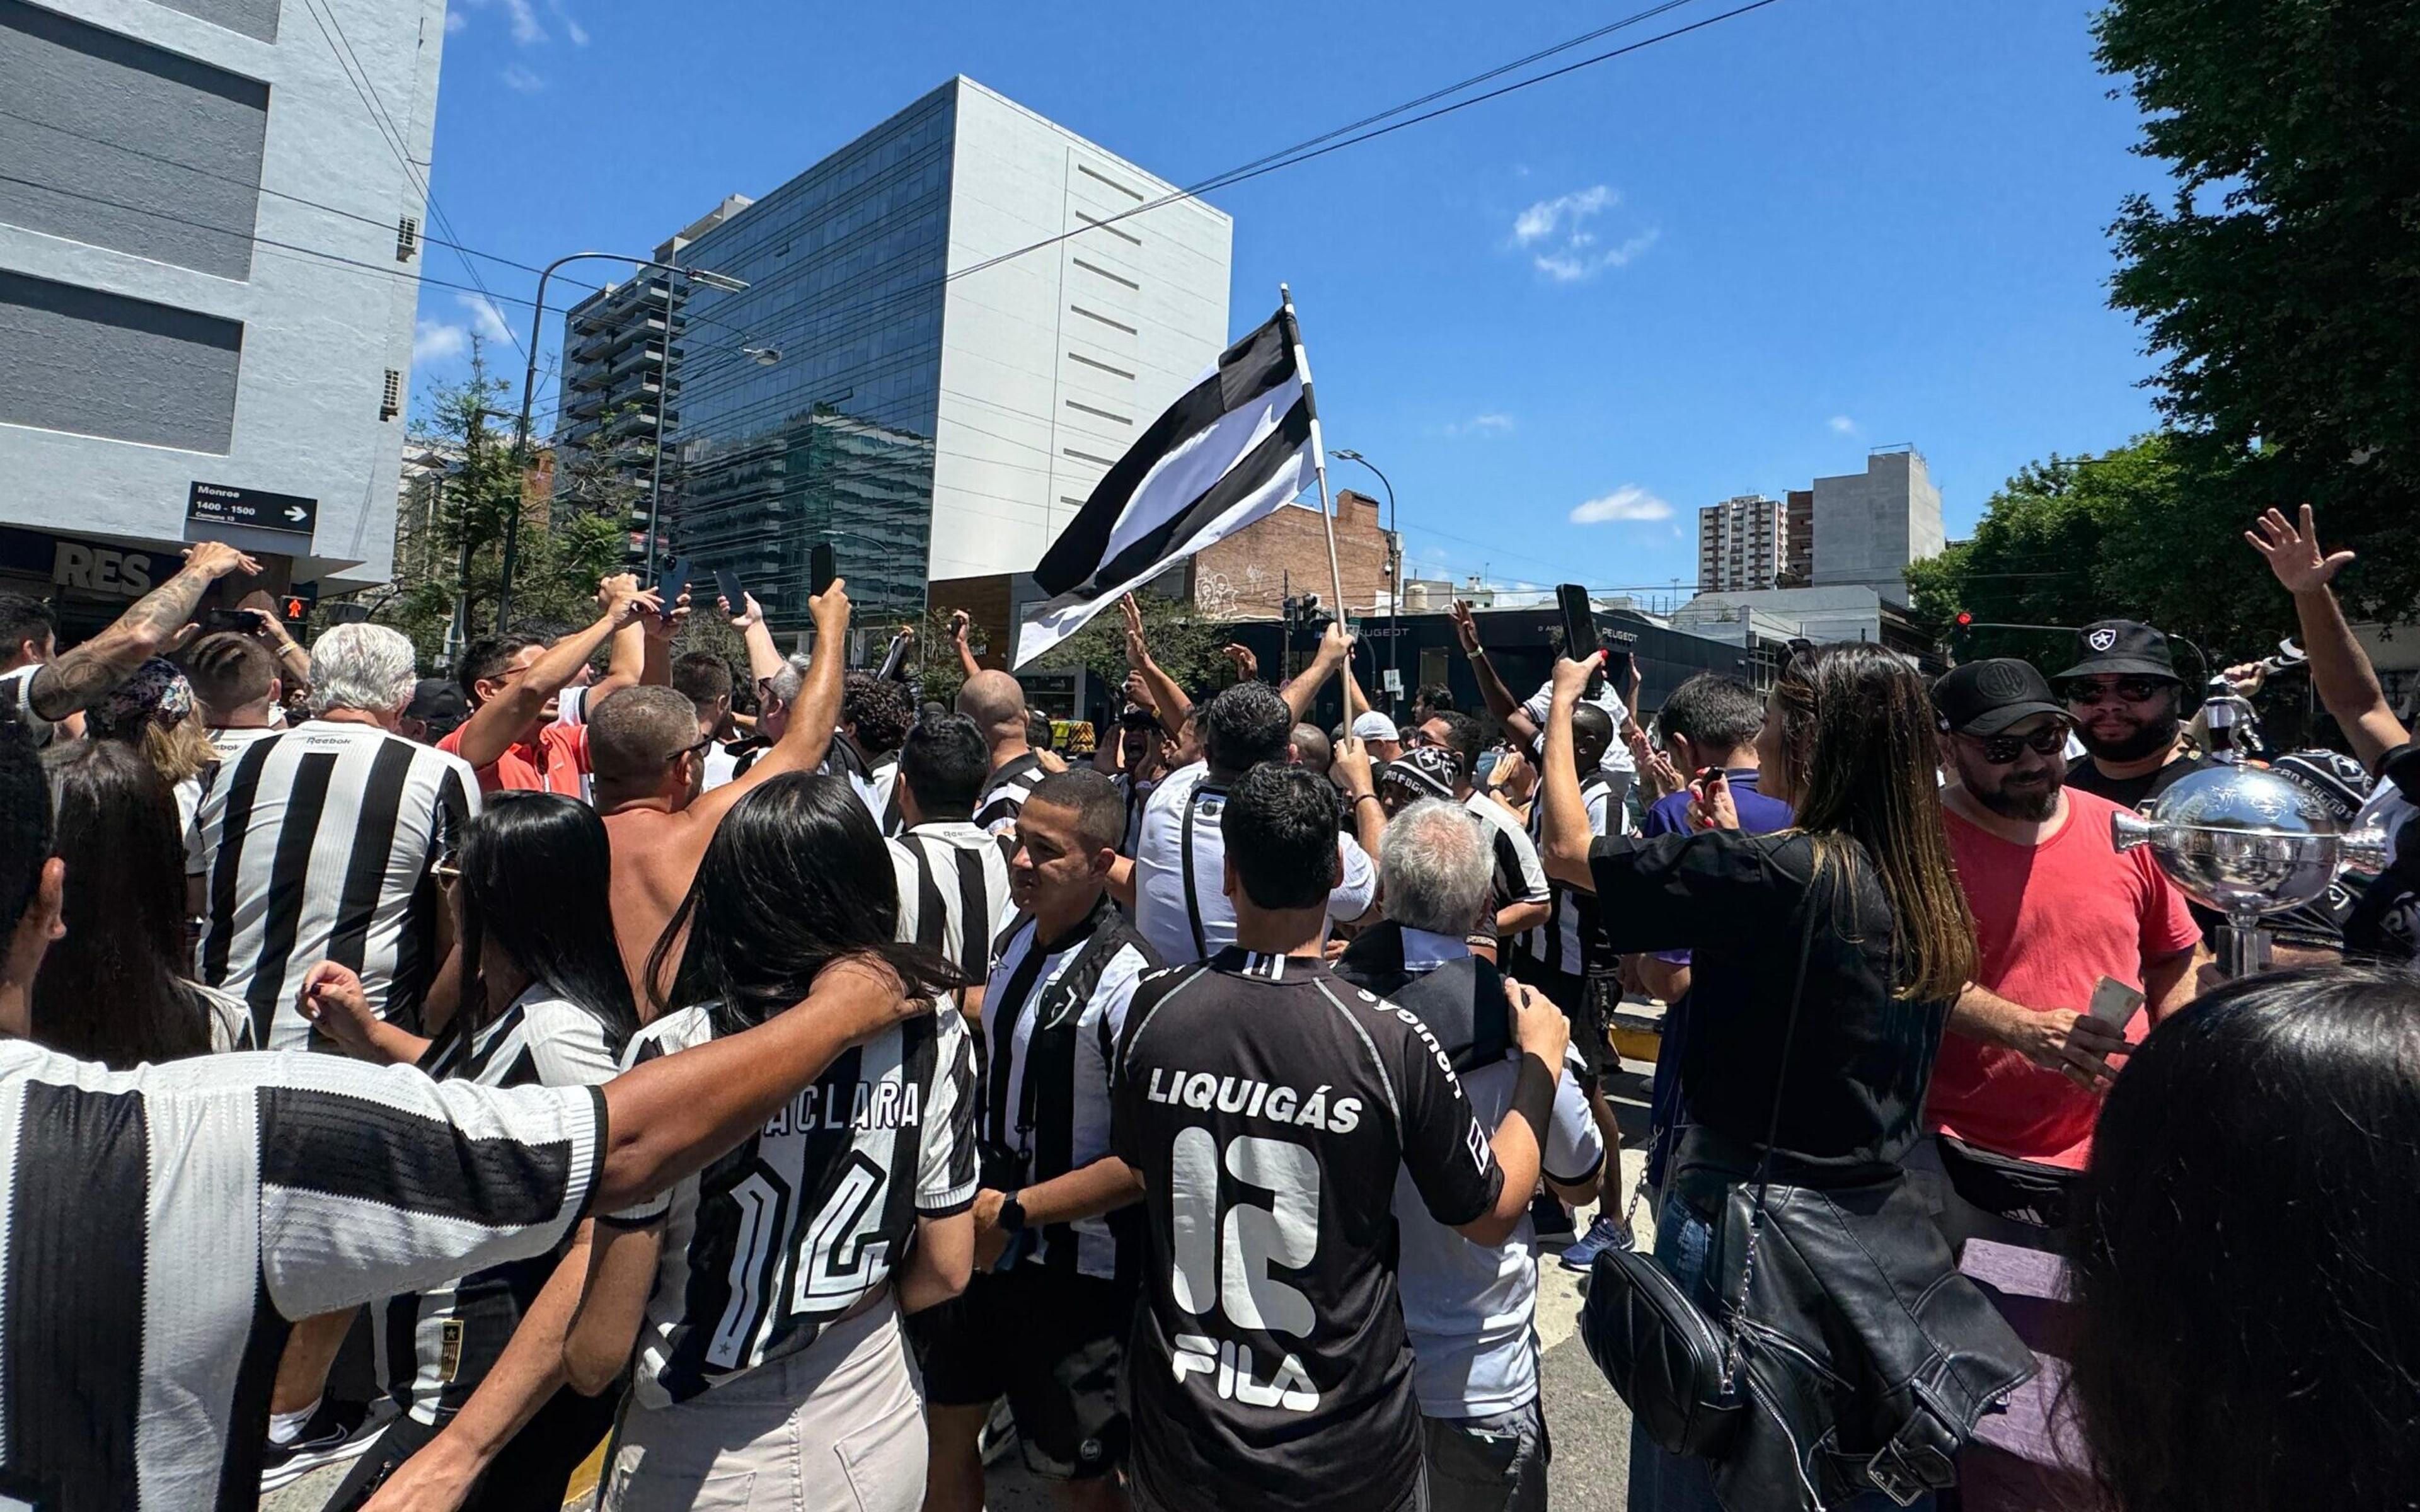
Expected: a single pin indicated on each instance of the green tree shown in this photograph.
(2280, 283)
(2150, 531)
(1183, 640)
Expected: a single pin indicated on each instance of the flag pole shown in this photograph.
(1319, 468)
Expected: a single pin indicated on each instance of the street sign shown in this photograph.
(215, 503)
(1391, 679)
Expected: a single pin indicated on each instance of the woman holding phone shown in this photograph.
(544, 1002)
(1844, 937)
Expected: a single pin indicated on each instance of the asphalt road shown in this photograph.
(1589, 1427)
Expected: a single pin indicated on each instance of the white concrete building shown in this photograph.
(984, 394)
(1870, 525)
(1740, 544)
(210, 260)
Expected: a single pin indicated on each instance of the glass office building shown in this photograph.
(887, 385)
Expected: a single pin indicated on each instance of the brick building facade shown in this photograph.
(1247, 575)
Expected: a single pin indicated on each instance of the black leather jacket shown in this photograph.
(1869, 1357)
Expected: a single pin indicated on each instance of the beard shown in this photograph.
(2032, 806)
(2152, 735)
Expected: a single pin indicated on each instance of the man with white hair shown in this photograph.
(318, 844)
(1467, 1306)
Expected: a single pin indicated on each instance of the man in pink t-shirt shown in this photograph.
(2056, 907)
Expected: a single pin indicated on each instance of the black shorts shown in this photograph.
(1587, 1002)
(1051, 1342)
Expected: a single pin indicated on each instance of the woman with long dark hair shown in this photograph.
(1825, 958)
(2247, 1253)
(764, 1293)
(115, 988)
(543, 1001)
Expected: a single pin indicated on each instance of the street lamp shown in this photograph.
(1394, 571)
(529, 391)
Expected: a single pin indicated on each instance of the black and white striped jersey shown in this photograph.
(441, 1342)
(16, 705)
(1180, 860)
(159, 1228)
(1005, 791)
(952, 891)
(315, 844)
(768, 1245)
(879, 786)
(1519, 876)
(1566, 942)
(1052, 1016)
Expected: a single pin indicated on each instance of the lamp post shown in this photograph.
(529, 391)
(1394, 570)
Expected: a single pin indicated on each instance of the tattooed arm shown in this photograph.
(77, 679)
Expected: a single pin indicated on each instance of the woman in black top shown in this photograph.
(1850, 742)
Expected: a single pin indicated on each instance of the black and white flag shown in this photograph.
(1242, 441)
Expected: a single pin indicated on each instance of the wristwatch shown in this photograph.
(1012, 1214)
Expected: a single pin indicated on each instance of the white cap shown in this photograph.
(1375, 726)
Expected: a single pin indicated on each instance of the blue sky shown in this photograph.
(1561, 320)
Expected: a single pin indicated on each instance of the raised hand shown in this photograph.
(2293, 552)
(1137, 653)
(1350, 767)
(662, 623)
(829, 610)
(620, 599)
(1572, 677)
(749, 612)
(961, 622)
(1465, 627)
(1247, 666)
(216, 558)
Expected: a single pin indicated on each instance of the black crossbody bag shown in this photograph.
(1676, 1368)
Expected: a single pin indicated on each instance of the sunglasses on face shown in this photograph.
(2129, 689)
(2002, 749)
(689, 750)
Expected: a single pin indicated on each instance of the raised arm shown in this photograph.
(489, 731)
(1335, 649)
(76, 679)
(961, 622)
(629, 658)
(1169, 703)
(1500, 702)
(1350, 767)
(813, 718)
(764, 657)
(1564, 835)
(2347, 683)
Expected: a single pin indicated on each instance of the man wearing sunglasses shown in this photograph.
(2057, 909)
(2123, 696)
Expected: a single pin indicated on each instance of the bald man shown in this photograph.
(650, 773)
(996, 702)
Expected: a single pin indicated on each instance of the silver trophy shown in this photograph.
(2246, 842)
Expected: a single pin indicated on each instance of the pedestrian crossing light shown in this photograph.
(297, 609)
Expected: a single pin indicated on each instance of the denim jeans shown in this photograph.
(1665, 1482)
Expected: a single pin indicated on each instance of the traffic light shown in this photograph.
(294, 608)
(1965, 620)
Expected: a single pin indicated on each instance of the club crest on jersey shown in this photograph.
(856, 1105)
(1202, 1091)
(1231, 1366)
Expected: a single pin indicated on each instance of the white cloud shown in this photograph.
(1580, 259)
(1557, 235)
(526, 30)
(571, 28)
(455, 21)
(521, 80)
(1628, 502)
(485, 318)
(1490, 423)
(436, 342)
(1542, 219)
(1843, 425)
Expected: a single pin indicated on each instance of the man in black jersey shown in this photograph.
(1267, 1107)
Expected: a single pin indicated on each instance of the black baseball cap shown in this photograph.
(2121, 648)
(1983, 698)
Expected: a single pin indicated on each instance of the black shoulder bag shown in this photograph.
(1677, 1369)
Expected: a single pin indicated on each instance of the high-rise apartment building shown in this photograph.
(903, 377)
(1798, 539)
(209, 257)
(1870, 525)
(1740, 544)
